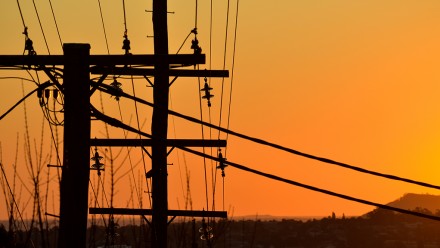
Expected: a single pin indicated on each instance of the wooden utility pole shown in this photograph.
(75, 177)
(159, 126)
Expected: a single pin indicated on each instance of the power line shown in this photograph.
(56, 24)
(232, 72)
(103, 26)
(277, 178)
(41, 26)
(42, 86)
(21, 14)
(283, 148)
(224, 66)
(324, 191)
(139, 128)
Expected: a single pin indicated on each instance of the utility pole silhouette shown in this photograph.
(159, 126)
(76, 169)
(76, 87)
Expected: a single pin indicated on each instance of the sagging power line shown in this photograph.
(279, 147)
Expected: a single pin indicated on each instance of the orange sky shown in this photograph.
(354, 82)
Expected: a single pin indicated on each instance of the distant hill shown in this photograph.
(412, 201)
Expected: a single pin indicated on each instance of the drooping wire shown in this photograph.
(21, 14)
(184, 41)
(198, 50)
(324, 191)
(230, 99)
(286, 149)
(221, 97)
(224, 66)
(56, 24)
(232, 71)
(126, 47)
(41, 27)
(103, 26)
(316, 189)
(18, 103)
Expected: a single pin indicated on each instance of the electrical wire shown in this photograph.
(184, 41)
(232, 72)
(56, 24)
(230, 94)
(125, 17)
(139, 128)
(41, 26)
(324, 191)
(224, 66)
(22, 78)
(18, 103)
(286, 149)
(21, 14)
(103, 26)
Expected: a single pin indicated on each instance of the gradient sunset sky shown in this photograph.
(354, 81)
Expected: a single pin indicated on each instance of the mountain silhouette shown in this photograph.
(412, 201)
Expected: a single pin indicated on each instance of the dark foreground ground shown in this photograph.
(380, 228)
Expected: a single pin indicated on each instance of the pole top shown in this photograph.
(76, 46)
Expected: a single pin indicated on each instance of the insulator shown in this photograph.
(221, 162)
(126, 45)
(47, 93)
(117, 86)
(195, 46)
(39, 93)
(29, 45)
(55, 93)
(97, 165)
(208, 94)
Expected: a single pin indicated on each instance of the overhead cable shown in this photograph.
(56, 24)
(103, 26)
(324, 191)
(42, 86)
(232, 72)
(286, 149)
(41, 27)
(21, 14)
(224, 67)
(291, 182)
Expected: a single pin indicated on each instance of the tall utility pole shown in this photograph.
(159, 126)
(75, 177)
